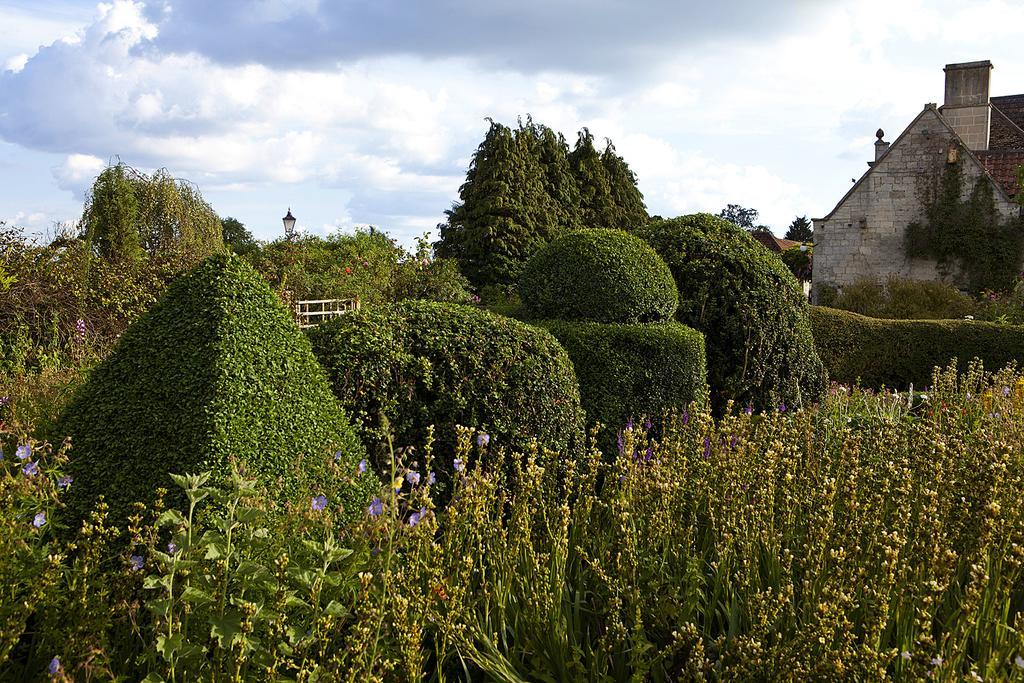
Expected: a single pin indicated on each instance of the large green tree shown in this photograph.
(597, 205)
(237, 236)
(552, 152)
(501, 218)
(629, 202)
(129, 214)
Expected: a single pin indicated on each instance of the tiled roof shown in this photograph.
(772, 242)
(1002, 165)
(1007, 130)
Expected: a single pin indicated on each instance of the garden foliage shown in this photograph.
(901, 299)
(898, 353)
(749, 307)
(400, 369)
(598, 275)
(878, 536)
(216, 371)
(633, 373)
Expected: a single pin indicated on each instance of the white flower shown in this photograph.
(1019, 661)
(905, 655)
(936, 661)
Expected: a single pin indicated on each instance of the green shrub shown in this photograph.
(601, 275)
(414, 364)
(896, 353)
(215, 371)
(904, 299)
(632, 372)
(749, 307)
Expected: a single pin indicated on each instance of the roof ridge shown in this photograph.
(1007, 118)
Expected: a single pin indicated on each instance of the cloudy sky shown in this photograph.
(358, 112)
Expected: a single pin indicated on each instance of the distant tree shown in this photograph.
(596, 202)
(129, 214)
(237, 236)
(629, 202)
(800, 230)
(738, 215)
(498, 223)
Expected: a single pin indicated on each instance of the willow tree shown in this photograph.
(630, 211)
(597, 207)
(129, 215)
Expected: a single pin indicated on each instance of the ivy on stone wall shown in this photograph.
(969, 233)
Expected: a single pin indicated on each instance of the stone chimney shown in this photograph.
(966, 107)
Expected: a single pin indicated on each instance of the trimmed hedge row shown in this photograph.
(216, 370)
(896, 353)
(600, 275)
(633, 371)
(405, 367)
(750, 308)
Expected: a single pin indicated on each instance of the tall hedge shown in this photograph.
(750, 308)
(598, 275)
(897, 353)
(422, 363)
(633, 371)
(216, 370)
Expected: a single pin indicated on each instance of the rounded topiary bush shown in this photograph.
(599, 275)
(216, 371)
(750, 308)
(633, 372)
(401, 368)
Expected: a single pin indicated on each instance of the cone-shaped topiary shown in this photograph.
(216, 370)
(750, 308)
(402, 368)
(599, 275)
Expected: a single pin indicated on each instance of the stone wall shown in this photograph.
(863, 236)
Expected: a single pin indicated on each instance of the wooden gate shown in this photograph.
(312, 313)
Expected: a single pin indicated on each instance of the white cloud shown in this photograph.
(16, 63)
(77, 173)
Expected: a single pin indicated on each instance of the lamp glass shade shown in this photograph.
(289, 222)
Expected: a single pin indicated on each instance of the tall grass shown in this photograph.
(875, 536)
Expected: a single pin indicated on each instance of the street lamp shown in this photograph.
(289, 224)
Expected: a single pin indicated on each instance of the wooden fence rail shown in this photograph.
(312, 313)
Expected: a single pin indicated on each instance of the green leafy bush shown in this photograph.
(904, 300)
(215, 371)
(632, 372)
(749, 307)
(897, 353)
(402, 368)
(599, 275)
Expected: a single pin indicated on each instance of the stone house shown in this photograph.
(863, 236)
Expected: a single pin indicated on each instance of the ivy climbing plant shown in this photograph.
(968, 232)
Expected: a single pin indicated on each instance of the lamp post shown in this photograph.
(289, 224)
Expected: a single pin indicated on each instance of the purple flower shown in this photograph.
(80, 328)
(337, 456)
(649, 454)
(1019, 661)
(749, 409)
(707, 448)
(64, 482)
(622, 479)
(782, 407)
(412, 477)
(483, 439)
(647, 425)
(936, 661)
(54, 667)
(431, 479)
(686, 417)
(629, 424)
(39, 521)
(415, 517)
(362, 466)
(319, 502)
(30, 469)
(459, 465)
(905, 655)
(136, 562)
(735, 440)
(23, 452)
(376, 507)
(172, 548)
(1006, 391)
(4, 400)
